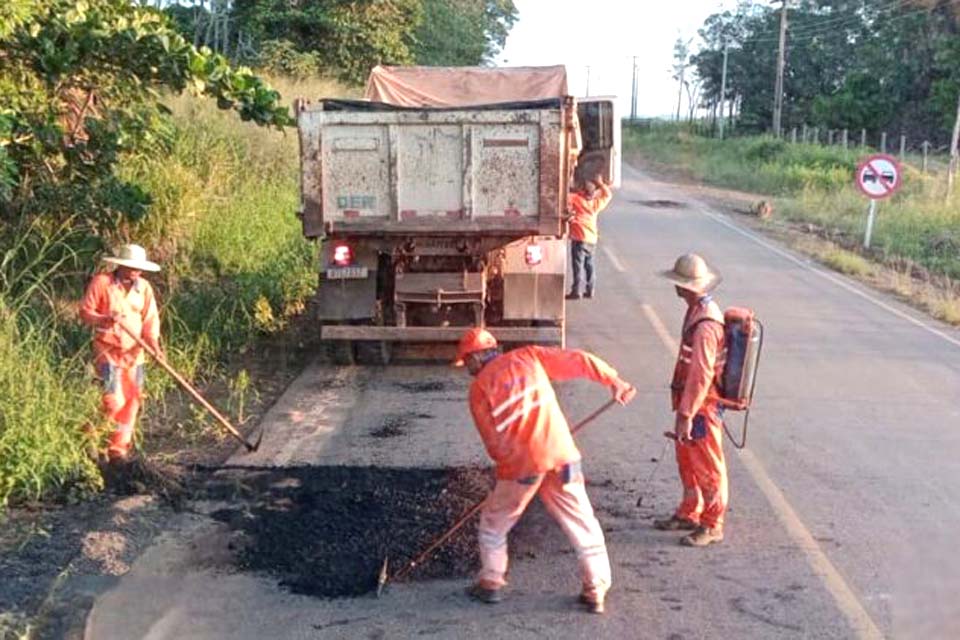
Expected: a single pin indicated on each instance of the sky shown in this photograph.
(605, 35)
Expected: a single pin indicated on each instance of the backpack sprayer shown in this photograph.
(743, 342)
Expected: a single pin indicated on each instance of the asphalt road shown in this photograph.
(844, 507)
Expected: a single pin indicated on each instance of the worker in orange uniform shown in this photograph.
(112, 298)
(526, 434)
(698, 428)
(584, 206)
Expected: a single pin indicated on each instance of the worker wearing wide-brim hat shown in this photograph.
(122, 295)
(515, 410)
(698, 427)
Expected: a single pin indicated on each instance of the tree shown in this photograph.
(681, 62)
(462, 32)
(349, 37)
(79, 92)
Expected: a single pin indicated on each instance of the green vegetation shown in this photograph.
(814, 184)
(345, 39)
(870, 64)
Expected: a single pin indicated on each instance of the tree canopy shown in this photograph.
(855, 64)
(346, 38)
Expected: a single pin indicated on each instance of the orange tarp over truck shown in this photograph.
(464, 86)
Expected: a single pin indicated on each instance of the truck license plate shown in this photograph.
(346, 273)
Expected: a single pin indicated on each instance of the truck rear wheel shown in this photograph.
(374, 352)
(340, 352)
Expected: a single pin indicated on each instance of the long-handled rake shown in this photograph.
(251, 446)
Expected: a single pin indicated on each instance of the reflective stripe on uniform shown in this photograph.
(509, 401)
(522, 411)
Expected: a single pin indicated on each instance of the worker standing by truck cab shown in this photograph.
(698, 427)
(584, 205)
(524, 431)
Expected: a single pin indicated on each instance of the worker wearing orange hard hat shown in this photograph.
(524, 431)
(698, 427)
(112, 298)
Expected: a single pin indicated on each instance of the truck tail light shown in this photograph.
(534, 254)
(342, 255)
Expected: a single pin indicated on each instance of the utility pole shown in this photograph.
(633, 103)
(588, 80)
(778, 90)
(723, 88)
(680, 93)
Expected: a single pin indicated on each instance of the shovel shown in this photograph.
(251, 447)
(383, 577)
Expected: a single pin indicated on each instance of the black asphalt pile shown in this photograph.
(140, 475)
(324, 531)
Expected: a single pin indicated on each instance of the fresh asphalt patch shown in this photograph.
(325, 530)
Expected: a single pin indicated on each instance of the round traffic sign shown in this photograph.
(879, 176)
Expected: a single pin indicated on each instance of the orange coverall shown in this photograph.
(703, 470)
(583, 225)
(526, 434)
(117, 357)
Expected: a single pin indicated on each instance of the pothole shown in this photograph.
(324, 531)
(661, 204)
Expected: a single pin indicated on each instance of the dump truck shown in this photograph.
(439, 202)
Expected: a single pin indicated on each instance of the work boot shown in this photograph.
(673, 523)
(484, 593)
(702, 537)
(592, 601)
(573, 295)
(588, 294)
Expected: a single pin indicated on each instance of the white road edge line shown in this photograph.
(863, 625)
(828, 276)
(842, 594)
(660, 329)
(614, 259)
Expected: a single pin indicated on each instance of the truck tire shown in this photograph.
(374, 352)
(340, 352)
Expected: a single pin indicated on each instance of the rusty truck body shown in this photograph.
(437, 218)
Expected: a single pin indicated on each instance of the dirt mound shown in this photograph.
(324, 531)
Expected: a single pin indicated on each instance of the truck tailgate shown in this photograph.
(433, 170)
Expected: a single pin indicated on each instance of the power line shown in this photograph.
(811, 33)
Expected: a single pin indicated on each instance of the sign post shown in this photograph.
(878, 176)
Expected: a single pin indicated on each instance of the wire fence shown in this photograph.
(921, 154)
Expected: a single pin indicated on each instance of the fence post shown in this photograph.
(863, 137)
(903, 147)
(804, 133)
(926, 150)
(793, 135)
(830, 137)
(816, 135)
(883, 142)
(846, 139)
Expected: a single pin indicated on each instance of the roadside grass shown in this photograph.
(812, 185)
(235, 267)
